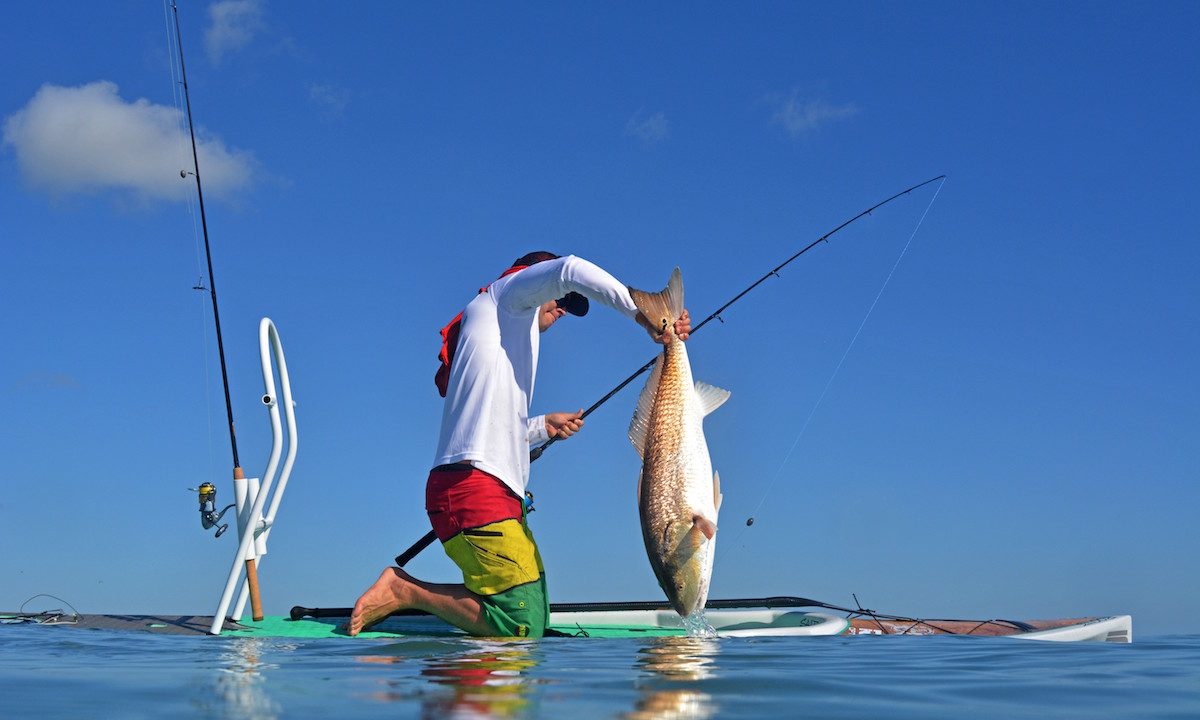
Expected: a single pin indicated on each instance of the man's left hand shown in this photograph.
(683, 326)
(681, 329)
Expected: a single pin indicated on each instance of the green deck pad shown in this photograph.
(617, 631)
(277, 626)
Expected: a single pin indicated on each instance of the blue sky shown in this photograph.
(1014, 433)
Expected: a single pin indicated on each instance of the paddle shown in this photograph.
(413, 551)
(299, 612)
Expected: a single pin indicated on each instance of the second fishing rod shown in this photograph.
(535, 453)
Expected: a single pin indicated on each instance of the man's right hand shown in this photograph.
(561, 425)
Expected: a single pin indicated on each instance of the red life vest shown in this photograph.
(450, 341)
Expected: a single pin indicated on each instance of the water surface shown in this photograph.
(61, 672)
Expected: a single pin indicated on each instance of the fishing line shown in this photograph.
(181, 148)
(838, 367)
(175, 63)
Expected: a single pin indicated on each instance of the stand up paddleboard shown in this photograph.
(609, 623)
(746, 617)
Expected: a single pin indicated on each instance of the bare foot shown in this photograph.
(386, 596)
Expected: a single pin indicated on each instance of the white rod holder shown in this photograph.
(253, 529)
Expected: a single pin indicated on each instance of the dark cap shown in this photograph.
(574, 303)
(533, 258)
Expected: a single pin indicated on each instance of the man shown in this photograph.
(475, 492)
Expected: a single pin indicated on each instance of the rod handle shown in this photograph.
(255, 600)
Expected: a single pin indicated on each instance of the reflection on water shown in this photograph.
(681, 658)
(673, 663)
(239, 690)
(484, 679)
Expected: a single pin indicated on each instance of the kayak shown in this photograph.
(761, 617)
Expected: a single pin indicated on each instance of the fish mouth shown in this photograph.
(685, 607)
(686, 604)
(684, 591)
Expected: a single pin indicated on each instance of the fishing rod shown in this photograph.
(251, 571)
(237, 466)
(536, 452)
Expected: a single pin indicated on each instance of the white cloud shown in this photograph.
(42, 380)
(86, 139)
(650, 130)
(234, 23)
(801, 117)
(328, 97)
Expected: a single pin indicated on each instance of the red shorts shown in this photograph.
(458, 500)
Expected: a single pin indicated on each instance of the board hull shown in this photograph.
(621, 623)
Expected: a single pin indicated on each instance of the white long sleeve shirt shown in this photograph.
(485, 419)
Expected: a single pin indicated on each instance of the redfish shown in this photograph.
(678, 492)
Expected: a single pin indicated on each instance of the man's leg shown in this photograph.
(397, 590)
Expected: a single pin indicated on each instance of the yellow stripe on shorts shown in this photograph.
(495, 557)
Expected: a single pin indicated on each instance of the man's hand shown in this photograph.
(563, 425)
(682, 328)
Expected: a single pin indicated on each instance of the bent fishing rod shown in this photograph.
(536, 452)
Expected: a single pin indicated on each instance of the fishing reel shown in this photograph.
(209, 517)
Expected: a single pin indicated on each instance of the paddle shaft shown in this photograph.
(403, 558)
(300, 612)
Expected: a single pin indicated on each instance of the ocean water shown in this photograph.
(60, 672)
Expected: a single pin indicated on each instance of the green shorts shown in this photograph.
(523, 611)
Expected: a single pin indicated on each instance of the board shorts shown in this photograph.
(484, 529)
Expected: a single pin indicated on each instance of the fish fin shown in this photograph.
(704, 525)
(663, 308)
(674, 291)
(717, 497)
(673, 535)
(684, 538)
(711, 397)
(639, 426)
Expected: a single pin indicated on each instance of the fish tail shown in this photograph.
(663, 308)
